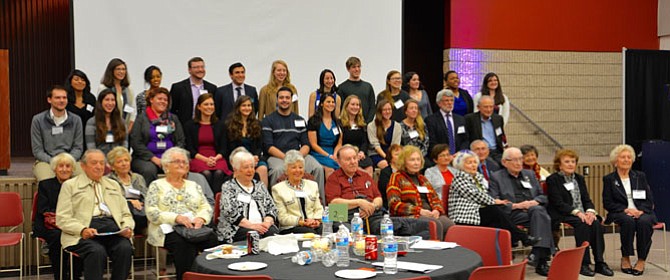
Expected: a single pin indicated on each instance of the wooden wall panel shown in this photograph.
(38, 35)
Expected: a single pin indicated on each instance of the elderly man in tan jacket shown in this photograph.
(95, 220)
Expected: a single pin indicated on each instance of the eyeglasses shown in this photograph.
(179, 162)
(519, 159)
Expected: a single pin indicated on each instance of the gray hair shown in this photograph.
(484, 97)
(291, 157)
(169, 154)
(241, 157)
(235, 151)
(443, 93)
(116, 153)
(84, 158)
(619, 149)
(345, 147)
(508, 151)
(472, 145)
(60, 158)
(461, 156)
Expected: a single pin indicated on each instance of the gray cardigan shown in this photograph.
(47, 145)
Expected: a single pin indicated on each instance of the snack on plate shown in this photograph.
(227, 249)
(308, 235)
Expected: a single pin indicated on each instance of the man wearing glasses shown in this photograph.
(527, 207)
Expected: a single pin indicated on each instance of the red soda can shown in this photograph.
(253, 240)
(371, 247)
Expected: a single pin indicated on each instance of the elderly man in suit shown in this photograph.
(225, 96)
(445, 127)
(486, 164)
(487, 126)
(95, 221)
(185, 93)
(527, 207)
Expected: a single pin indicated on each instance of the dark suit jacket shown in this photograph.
(47, 198)
(224, 96)
(473, 126)
(437, 131)
(191, 131)
(560, 199)
(614, 195)
(491, 165)
(502, 186)
(182, 99)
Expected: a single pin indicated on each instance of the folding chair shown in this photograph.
(12, 216)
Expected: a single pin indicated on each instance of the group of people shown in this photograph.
(276, 171)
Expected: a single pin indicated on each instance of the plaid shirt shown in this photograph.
(465, 198)
(405, 199)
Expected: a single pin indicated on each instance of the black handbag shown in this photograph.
(194, 235)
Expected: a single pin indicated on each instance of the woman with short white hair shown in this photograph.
(245, 203)
(630, 204)
(173, 201)
(297, 199)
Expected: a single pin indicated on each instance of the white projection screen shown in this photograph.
(309, 35)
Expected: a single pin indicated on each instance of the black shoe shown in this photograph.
(636, 272)
(530, 241)
(532, 260)
(542, 268)
(603, 269)
(627, 270)
(586, 271)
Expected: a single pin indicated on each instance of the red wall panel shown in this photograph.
(568, 25)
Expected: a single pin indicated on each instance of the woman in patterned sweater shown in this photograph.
(470, 203)
(411, 195)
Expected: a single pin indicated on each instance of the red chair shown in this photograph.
(199, 276)
(445, 198)
(512, 271)
(494, 245)
(12, 216)
(217, 208)
(432, 229)
(567, 262)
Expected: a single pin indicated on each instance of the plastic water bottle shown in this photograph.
(390, 249)
(327, 228)
(359, 243)
(304, 258)
(356, 225)
(342, 241)
(386, 226)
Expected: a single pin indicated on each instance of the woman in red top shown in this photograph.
(410, 194)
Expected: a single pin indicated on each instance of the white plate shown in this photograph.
(247, 266)
(355, 274)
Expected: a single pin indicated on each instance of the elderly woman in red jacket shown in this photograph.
(410, 194)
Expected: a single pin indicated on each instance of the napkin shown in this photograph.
(433, 245)
(279, 244)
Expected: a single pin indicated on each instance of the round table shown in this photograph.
(458, 263)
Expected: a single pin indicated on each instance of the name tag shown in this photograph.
(294, 98)
(203, 91)
(398, 104)
(354, 127)
(413, 134)
(128, 109)
(299, 123)
(161, 145)
(486, 184)
(336, 131)
(317, 103)
(56, 130)
(460, 130)
(422, 189)
(162, 129)
(300, 194)
(244, 198)
(89, 107)
(569, 186)
(109, 138)
(498, 131)
(134, 191)
(526, 185)
(639, 194)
